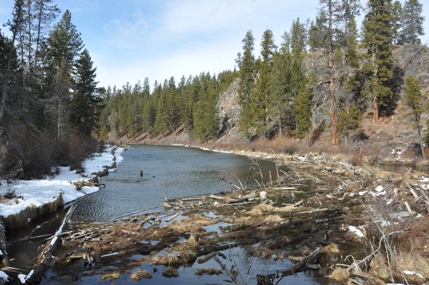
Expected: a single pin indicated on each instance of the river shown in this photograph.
(168, 172)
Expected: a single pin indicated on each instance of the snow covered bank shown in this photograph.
(36, 193)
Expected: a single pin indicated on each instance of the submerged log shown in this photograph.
(45, 258)
(227, 272)
(304, 264)
(206, 257)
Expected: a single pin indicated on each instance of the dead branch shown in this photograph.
(302, 264)
(207, 257)
(227, 272)
(47, 254)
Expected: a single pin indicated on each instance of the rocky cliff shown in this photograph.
(393, 135)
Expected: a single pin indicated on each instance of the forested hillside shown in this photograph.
(49, 100)
(325, 76)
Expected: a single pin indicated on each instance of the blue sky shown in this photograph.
(130, 40)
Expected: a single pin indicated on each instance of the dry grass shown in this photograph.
(188, 255)
(244, 220)
(261, 209)
(191, 224)
(170, 272)
(412, 262)
(273, 219)
(331, 249)
(169, 259)
(264, 209)
(111, 276)
(139, 275)
(339, 275)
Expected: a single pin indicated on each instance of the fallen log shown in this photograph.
(206, 257)
(217, 197)
(45, 258)
(302, 265)
(173, 217)
(193, 199)
(227, 272)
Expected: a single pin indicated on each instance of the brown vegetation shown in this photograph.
(317, 198)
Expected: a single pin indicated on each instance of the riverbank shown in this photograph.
(320, 209)
(322, 217)
(26, 201)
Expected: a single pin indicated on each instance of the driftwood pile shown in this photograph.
(306, 206)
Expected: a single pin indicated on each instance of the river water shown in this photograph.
(168, 172)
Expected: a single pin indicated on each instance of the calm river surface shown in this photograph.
(168, 172)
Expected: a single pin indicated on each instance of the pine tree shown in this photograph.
(330, 7)
(64, 45)
(413, 22)
(161, 120)
(83, 114)
(349, 119)
(262, 93)
(318, 31)
(282, 104)
(246, 64)
(206, 118)
(299, 91)
(9, 64)
(398, 23)
(417, 104)
(378, 36)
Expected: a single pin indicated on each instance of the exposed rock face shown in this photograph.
(229, 108)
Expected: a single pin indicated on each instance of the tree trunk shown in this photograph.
(331, 77)
(376, 106)
(376, 110)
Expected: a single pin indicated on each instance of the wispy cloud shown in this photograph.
(132, 39)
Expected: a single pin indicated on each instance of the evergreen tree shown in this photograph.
(398, 23)
(417, 103)
(161, 120)
(262, 93)
(298, 38)
(246, 64)
(300, 93)
(378, 36)
(303, 107)
(64, 45)
(331, 6)
(413, 22)
(282, 104)
(8, 61)
(349, 119)
(318, 31)
(206, 118)
(83, 114)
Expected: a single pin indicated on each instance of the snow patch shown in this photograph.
(408, 272)
(3, 276)
(356, 231)
(23, 278)
(36, 193)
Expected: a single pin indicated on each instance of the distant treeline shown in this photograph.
(51, 110)
(276, 89)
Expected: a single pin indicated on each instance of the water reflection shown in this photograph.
(168, 172)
